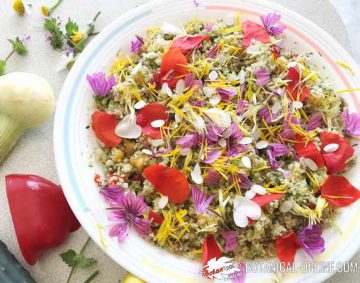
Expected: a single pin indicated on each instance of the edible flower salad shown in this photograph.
(216, 139)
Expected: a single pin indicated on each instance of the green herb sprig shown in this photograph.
(69, 38)
(17, 46)
(75, 260)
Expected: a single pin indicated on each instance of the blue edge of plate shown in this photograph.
(69, 106)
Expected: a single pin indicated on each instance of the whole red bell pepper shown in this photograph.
(41, 215)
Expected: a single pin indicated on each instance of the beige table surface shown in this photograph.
(34, 153)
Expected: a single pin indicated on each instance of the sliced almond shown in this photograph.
(157, 123)
(331, 147)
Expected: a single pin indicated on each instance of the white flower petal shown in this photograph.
(240, 218)
(136, 69)
(250, 194)
(285, 206)
(222, 142)
(180, 85)
(213, 75)
(297, 104)
(244, 207)
(157, 142)
(196, 174)
(209, 91)
(127, 128)
(157, 123)
(262, 144)
(215, 99)
(276, 107)
(309, 163)
(140, 104)
(260, 190)
(246, 162)
(331, 147)
(163, 202)
(219, 117)
(167, 28)
(166, 89)
(146, 151)
(246, 140)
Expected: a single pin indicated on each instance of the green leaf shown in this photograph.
(2, 67)
(53, 26)
(71, 27)
(72, 259)
(18, 46)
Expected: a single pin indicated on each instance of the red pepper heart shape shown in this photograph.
(188, 43)
(210, 249)
(295, 88)
(286, 247)
(104, 125)
(41, 215)
(253, 31)
(336, 161)
(148, 114)
(173, 67)
(168, 181)
(338, 191)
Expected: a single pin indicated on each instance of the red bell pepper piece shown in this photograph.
(286, 247)
(253, 31)
(168, 181)
(309, 150)
(210, 249)
(336, 161)
(296, 89)
(155, 217)
(188, 43)
(338, 191)
(41, 215)
(173, 67)
(104, 125)
(148, 114)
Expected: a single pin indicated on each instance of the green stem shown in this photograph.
(55, 6)
(92, 277)
(10, 54)
(81, 252)
(10, 131)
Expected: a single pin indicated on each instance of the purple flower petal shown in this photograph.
(270, 20)
(198, 103)
(190, 82)
(351, 123)
(213, 132)
(265, 113)
(212, 52)
(241, 106)
(142, 226)
(136, 44)
(189, 141)
(279, 149)
(230, 238)
(225, 94)
(262, 76)
(315, 121)
(212, 178)
(200, 199)
(120, 231)
(242, 179)
(100, 85)
(212, 156)
(112, 194)
(274, 164)
(311, 241)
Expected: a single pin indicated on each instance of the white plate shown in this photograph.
(74, 143)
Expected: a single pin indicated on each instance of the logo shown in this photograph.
(225, 269)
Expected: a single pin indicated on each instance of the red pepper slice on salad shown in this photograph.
(210, 249)
(148, 114)
(173, 67)
(253, 31)
(309, 150)
(296, 89)
(41, 215)
(338, 191)
(104, 125)
(169, 182)
(155, 217)
(336, 161)
(188, 43)
(286, 247)
(265, 199)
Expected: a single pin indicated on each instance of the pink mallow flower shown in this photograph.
(269, 22)
(129, 212)
(230, 238)
(310, 240)
(100, 85)
(262, 76)
(201, 201)
(351, 123)
(112, 194)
